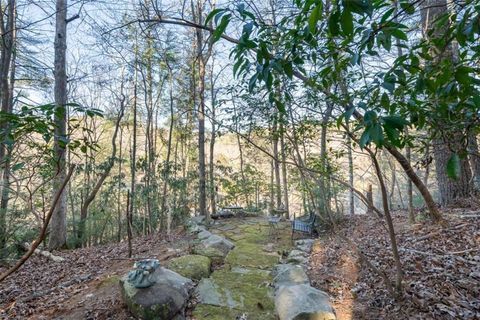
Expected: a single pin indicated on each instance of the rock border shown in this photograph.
(295, 298)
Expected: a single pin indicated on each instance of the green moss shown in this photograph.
(251, 255)
(191, 266)
(208, 312)
(242, 289)
(214, 254)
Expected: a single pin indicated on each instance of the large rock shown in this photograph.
(194, 267)
(302, 301)
(204, 235)
(304, 245)
(297, 257)
(239, 288)
(198, 220)
(289, 275)
(214, 246)
(166, 299)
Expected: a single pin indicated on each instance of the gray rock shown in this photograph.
(289, 275)
(219, 243)
(297, 256)
(303, 302)
(304, 245)
(195, 228)
(166, 299)
(198, 220)
(204, 235)
(191, 266)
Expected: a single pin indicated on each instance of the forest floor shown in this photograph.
(85, 286)
(441, 266)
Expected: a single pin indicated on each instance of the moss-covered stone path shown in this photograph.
(243, 286)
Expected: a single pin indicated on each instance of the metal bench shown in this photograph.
(273, 223)
(303, 226)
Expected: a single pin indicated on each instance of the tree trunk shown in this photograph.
(388, 218)
(474, 158)
(7, 80)
(411, 212)
(278, 190)
(166, 169)
(351, 196)
(450, 189)
(284, 169)
(58, 227)
(213, 191)
(133, 161)
(202, 60)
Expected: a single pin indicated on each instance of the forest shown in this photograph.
(235, 159)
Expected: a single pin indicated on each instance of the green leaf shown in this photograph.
(454, 167)
(462, 75)
(313, 19)
(333, 26)
(376, 134)
(396, 122)
(397, 33)
(221, 27)
(287, 67)
(212, 14)
(407, 7)
(346, 21)
(18, 166)
(364, 139)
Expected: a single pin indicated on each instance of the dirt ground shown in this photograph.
(441, 266)
(83, 287)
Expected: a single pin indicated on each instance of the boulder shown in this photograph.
(165, 299)
(289, 275)
(239, 288)
(195, 228)
(304, 245)
(297, 256)
(204, 235)
(302, 301)
(219, 243)
(212, 253)
(198, 220)
(193, 267)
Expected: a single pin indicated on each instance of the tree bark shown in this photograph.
(276, 164)
(58, 228)
(474, 158)
(450, 189)
(7, 80)
(284, 169)
(351, 195)
(166, 169)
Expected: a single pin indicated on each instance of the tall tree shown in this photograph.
(58, 227)
(7, 78)
(447, 141)
(201, 59)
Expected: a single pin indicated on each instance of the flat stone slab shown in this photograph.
(289, 275)
(239, 289)
(251, 256)
(298, 257)
(302, 301)
(191, 266)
